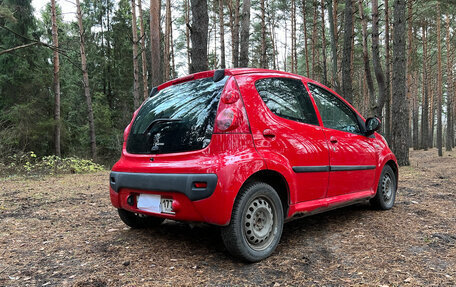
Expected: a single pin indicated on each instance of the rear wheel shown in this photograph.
(137, 220)
(386, 190)
(256, 223)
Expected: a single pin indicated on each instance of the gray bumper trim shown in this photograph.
(165, 182)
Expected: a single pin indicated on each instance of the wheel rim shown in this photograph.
(387, 188)
(260, 222)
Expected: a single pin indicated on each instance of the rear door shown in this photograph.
(286, 132)
(353, 157)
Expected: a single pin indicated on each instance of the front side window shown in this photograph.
(178, 118)
(334, 113)
(287, 98)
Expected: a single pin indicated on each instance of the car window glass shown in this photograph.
(287, 98)
(334, 113)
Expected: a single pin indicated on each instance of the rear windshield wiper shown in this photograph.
(161, 120)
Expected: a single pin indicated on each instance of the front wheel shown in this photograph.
(256, 223)
(386, 190)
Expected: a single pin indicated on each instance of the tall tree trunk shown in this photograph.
(235, 35)
(416, 144)
(85, 77)
(332, 32)
(425, 95)
(439, 84)
(293, 36)
(411, 81)
(143, 50)
(400, 129)
(449, 132)
(136, 100)
(198, 34)
(387, 75)
(245, 34)
(314, 41)
(272, 33)
(323, 42)
(187, 33)
(222, 35)
(378, 107)
(347, 91)
(173, 64)
(55, 40)
(167, 41)
(263, 59)
(306, 48)
(156, 74)
(367, 71)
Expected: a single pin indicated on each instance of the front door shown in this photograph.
(353, 157)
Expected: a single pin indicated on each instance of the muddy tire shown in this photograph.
(386, 190)
(135, 220)
(256, 223)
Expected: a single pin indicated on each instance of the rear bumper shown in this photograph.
(208, 204)
(176, 183)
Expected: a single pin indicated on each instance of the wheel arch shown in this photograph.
(274, 179)
(395, 169)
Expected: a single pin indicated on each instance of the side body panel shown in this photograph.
(296, 150)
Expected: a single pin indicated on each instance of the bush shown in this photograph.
(29, 164)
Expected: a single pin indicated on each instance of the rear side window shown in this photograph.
(334, 113)
(287, 98)
(178, 118)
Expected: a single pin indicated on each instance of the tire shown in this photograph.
(135, 220)
(386, 190)
(256, 223)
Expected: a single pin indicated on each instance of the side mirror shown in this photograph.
(372, 125)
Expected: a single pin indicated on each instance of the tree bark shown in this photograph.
(245, 34)
(387, 75)
(167, 41)
(367, 70)
(425, 96)
(263, 59)
(187, 33)
(400, 129)
(323, 42)
(347, 91)
(411, 81)
(235, 35)
(450, 92)
(314, 41)
(136, 100)
(143, 51)
(306, 48)
(439, 84)
(332, 32)
(55, 40)
(198, 35)
(222, 35)
(85, 77)
(378, 106)
(156, 74)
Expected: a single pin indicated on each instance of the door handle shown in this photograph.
(268, 133)
(333, 139)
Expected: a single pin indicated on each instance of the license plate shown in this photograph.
(167, 205)
(154, 203)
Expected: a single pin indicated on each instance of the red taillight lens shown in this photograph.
(231, 115)
(227, 119)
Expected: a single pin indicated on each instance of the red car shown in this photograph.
(247, 149)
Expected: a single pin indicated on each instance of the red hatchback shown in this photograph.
(248, 149)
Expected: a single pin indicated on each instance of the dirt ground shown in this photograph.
(63, 231)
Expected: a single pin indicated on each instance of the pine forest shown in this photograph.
(70, 82)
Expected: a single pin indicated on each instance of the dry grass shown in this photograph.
(63, 231)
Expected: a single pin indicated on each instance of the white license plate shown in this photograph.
(154, 203)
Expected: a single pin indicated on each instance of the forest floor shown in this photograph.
(63, 231)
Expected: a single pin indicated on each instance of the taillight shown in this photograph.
(231, 115)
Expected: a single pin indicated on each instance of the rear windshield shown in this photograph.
(178, 118)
